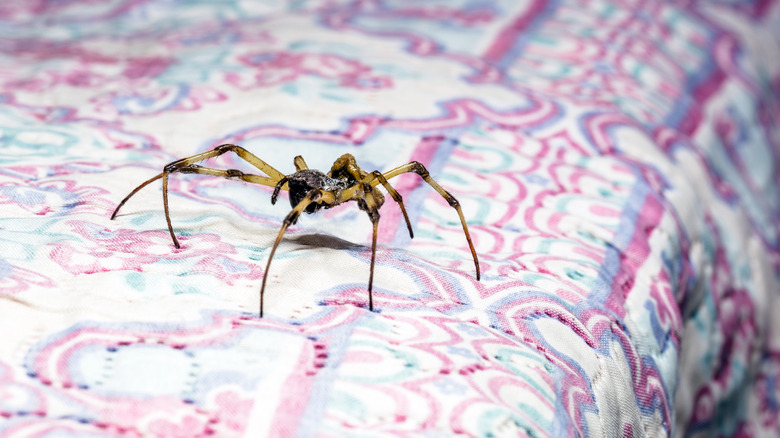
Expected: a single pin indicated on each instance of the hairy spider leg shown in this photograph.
(187, 165)
(316, 195)
(420, 170)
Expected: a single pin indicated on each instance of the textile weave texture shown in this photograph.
(616, 162)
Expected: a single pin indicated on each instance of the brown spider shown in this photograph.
(310, 190)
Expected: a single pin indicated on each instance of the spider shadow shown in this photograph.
(318, 240)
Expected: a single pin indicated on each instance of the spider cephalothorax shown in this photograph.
(310, 191)
(303, 181)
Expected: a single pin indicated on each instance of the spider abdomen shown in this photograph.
(306, 180)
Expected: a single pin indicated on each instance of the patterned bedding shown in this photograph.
(616, 162)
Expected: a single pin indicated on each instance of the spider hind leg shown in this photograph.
(187, 165)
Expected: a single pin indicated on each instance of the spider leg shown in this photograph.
(394, 194)
(420, 170)
(346, 164)
(165, 207)
(135, 190)
(316, 195)
(201, 170)
(369, 203)
(300, 164)
(217, 151)
(277, 188)
(187, 165)
(375, 223)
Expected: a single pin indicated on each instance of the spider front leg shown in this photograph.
(314, 196)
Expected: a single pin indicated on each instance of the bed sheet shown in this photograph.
(616, 162)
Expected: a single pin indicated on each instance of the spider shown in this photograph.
(310, 190)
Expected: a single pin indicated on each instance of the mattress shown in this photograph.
(616, 164)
